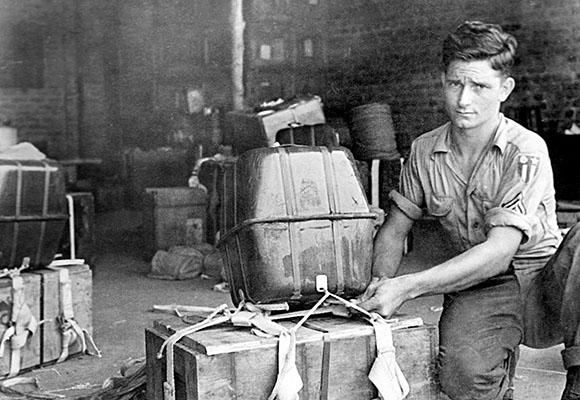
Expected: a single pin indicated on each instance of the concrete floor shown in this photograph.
(123, 297)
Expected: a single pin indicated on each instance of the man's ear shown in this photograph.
(443, 78)
(507, 88)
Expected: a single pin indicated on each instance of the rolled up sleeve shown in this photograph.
(406, 206)
(498, 217)
(522, 196)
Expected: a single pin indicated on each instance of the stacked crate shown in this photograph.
(42, 295)
(33, 215)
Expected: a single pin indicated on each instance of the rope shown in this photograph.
(373, 132)
(211, 320)
(22, 324)
(288, 380)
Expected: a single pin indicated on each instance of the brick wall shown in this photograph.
(112, 69)
(43, 110)
(388, 51)
(402, 69)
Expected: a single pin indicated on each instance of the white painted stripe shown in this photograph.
(542, 370)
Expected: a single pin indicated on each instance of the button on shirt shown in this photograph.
(511, 185)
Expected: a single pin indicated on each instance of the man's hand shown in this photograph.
(476, 265)
(383, 296)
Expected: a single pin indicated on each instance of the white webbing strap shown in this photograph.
(211, 320)
(288, 381)
(71, 330)
(385, 373)
(65, 292)
(23, 324)
(255, 318)
(375, 189)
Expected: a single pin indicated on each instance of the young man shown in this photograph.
(489, 182)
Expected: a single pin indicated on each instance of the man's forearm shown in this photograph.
(387, 258)
(389, 244)
(474, 266)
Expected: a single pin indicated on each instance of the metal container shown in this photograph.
(301, 121)
(216, 176)
(298, 212)
(33, 211)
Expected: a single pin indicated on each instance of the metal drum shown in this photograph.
(299, 212)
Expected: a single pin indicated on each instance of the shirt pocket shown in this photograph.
(439, 206)
(482, 202)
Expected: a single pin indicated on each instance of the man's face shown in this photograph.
(473, 92)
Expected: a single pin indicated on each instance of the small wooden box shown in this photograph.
(174, 216)
(232, 363)
(82, 290)
(30, 353)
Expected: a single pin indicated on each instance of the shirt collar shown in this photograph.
(500, 140)
(443, 143)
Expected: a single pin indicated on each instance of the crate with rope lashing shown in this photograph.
(45, 316)
(333, 358)
(66, 295)
(20, 315)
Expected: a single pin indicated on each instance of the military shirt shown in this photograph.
(511, 185)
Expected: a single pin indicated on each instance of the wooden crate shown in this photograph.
(174, 216)
(30, 353)
(81, 287)
(232, 363)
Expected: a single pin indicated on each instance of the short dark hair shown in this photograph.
(474, 40)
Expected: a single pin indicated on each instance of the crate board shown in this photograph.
(232, 363)
(30, 353)
(81, 286)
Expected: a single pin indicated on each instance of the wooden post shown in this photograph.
(237, 25)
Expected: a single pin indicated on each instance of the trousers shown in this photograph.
(481, 328)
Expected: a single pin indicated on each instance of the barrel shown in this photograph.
(373, 132)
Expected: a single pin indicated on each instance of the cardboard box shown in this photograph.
(231, 363)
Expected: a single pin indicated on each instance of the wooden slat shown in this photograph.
(81, 288)
(30, 354)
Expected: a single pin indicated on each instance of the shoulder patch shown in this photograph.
(527, 167)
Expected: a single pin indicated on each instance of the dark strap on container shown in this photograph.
(17, 209)
(45, 198)
(325, 368)
(332, 189)
(297, 218)
(26, 218)
(289, 192)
